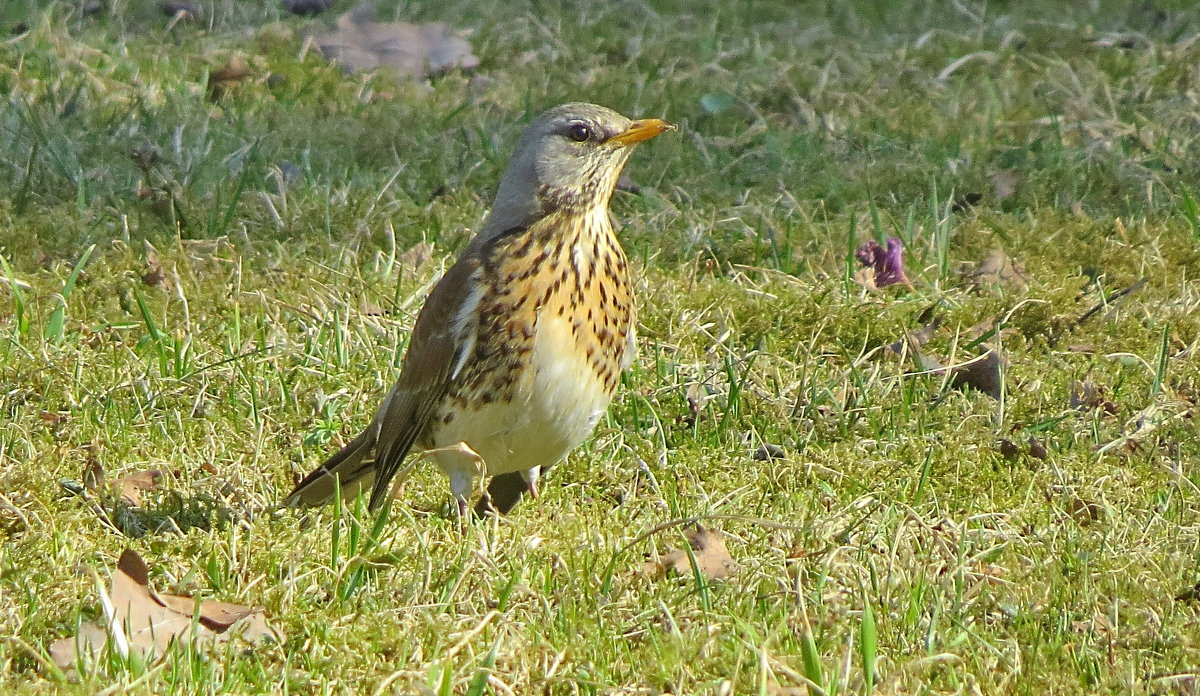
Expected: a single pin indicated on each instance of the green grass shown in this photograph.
(167, 301)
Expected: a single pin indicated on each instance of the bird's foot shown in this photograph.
(532, 476)
(464, 467)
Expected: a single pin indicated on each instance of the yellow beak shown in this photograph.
(640, 130)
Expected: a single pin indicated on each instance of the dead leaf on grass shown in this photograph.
(417, 256)
(769, 452)
(776, 690)
(1191, 594)
(708, 548)
(982, 373)
(93, 471)
(307, 8)
(417, 50)
(1085, 512)
(142, 622)
(226, 77)
(1086, 395)
(129, 488)
(1004, 184)
(371, 309)
(155, 276)
(997, 269)
(178, 10)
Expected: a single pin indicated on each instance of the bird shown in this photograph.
(519, 347)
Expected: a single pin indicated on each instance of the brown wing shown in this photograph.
(436, 350)
(441, 341)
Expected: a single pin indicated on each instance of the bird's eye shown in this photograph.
(579, 132)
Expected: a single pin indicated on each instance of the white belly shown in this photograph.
(554, 410)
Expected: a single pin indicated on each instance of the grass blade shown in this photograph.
(868, 644)
(18, 295)
(58, 318)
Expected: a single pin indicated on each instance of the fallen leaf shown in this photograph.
(224, 78)
(1009, 450)
(697, 398)
(130, 487)
(768, 452)
(1004, 184)
(417, 50)
(624, 183)
(93, 473)
(150, 623)
(983, 373)
(1084, 511)
(146, 156)
(997, 270)
(1191, 594)
(966, 201)
(371, 309)
(708, 548)
(181, 10)
(1089, 396)
(417, 256)
(307, 8)
(155, 275)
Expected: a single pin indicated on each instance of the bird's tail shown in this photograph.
(352, 468)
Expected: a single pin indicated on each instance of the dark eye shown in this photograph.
(579, 132)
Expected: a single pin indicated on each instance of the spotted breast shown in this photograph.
(550, 331)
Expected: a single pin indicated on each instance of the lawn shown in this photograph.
(214, 243)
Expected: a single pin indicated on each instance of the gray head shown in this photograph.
(569, 157)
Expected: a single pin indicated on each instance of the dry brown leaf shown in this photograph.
(130, 487)
(708, 548)
(1004, 184)
(418, 50)
(1089, 396)
(768, 452)
(371, 309)
(997, 269)
(1084, 511)
(1191, 594)
(150, 623)
(182, 10)
(155, 275)
(417, 256)
(983, 373)
(93, 471)
(913, 340)
(227, 76)
(307, 8)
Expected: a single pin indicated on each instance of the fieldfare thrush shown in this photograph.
(519, 347)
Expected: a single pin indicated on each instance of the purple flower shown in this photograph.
(888, 263)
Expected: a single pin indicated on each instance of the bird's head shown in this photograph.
(569, 157)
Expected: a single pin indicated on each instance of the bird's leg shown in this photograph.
(532, 475)
(463, 466)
